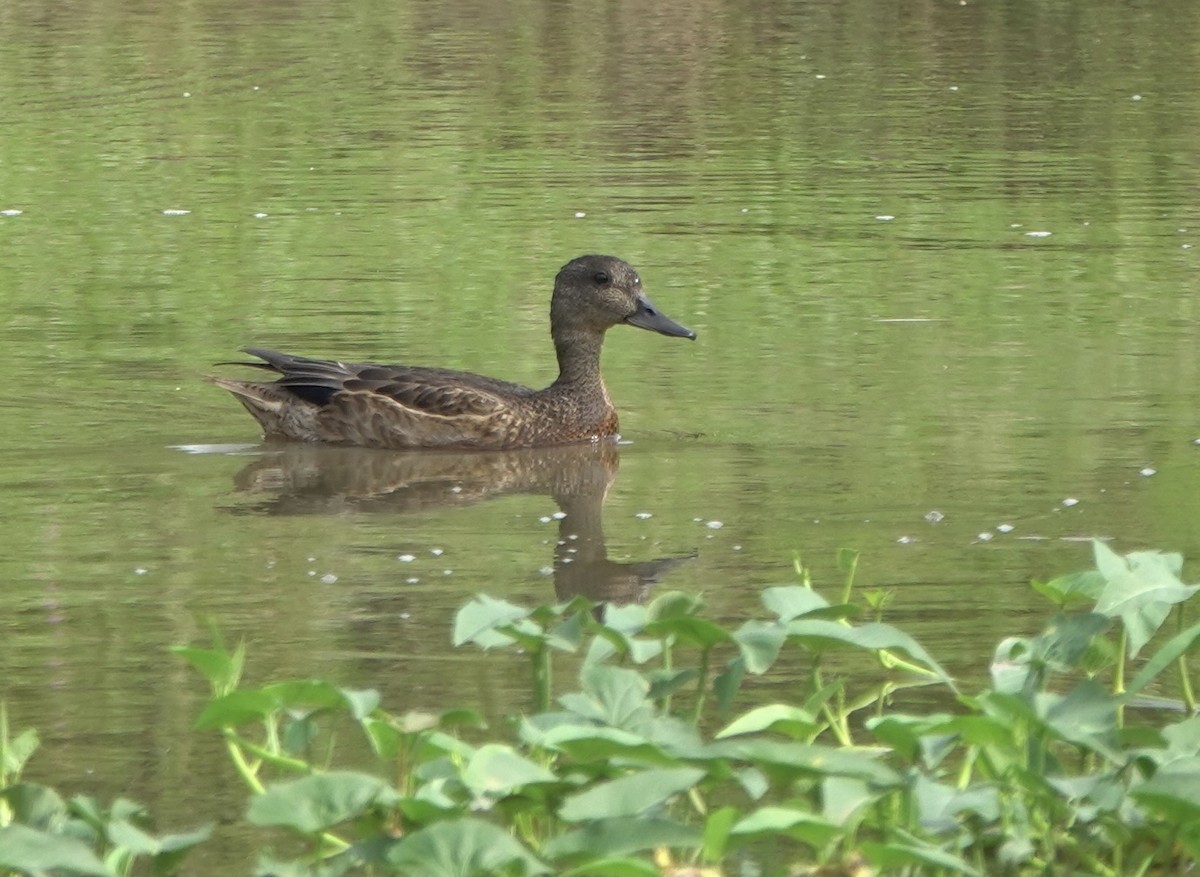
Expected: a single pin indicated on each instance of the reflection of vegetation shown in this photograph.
(648, 768)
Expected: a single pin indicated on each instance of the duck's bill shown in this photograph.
(647, 316)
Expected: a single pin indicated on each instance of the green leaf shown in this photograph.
(315, 803)
(807, 759)
(216, 665)
(1086, 715)
(1171, 651)
(806, 827)
(590, 743)
(792, 601)
(1140, 589)
(777, 717)
(699, 632)
(760, 642)
(727, 683)
(1175, 794)
(1072, 590)
(236, 708)
(717, 828)
(463, 848)
(630, 795)
(613, 868)
(17, 752)
(497, 770)
(35, 805)
(621, 836)
(893, 857)
(673, 604)
(477, 621)
(616, 696)
(30, 851)
(818, 634)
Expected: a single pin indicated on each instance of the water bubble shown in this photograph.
(906, 540)
(436, 552)
(986, 537)
(1148, 471)
(558, 516)
(544, 519)
(412, 580)
(643, 515)
(11, 212)
(1038, 234)
(172, 211)
(580, 215)
(406, 558)
(328, 579)
(714, 525)
(1004, 528)
(140, 571)
(261, 215)
(1135, 97)
(934, 516)
(885, 217)
(1070, 501)
(456, 489)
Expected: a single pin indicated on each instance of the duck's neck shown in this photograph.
(579, 361)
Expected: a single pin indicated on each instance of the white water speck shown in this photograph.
(643, 515)
(436, 552)
(261, 215)
(580, 215)
(140, 571)
(934, 516)
(558, 516)
(820, 76)
(986, 537)
(906, 540)
(573, 536)
(1070, 501)
(11, 212)
(404, 616)
(1148, 471)
(406, 558)
(714, 525)
(187, 94)
(447, 572)
(953, 88)
(1004, 528)
(544, 519)
(456, 489)
(172, 211)
(1135, 97)
(412, 580)
(885, 217)
(547, 570)
(312, 572)
(737, 548)
(328, 579)
(567, 559)
(698, 520)
(311, 559)
(1038, 234)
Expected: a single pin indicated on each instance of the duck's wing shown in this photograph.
(394, 405)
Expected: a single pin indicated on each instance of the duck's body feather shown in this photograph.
(400, 406)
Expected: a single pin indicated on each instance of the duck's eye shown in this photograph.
(601, 277)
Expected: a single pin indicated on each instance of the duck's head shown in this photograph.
(593, 293)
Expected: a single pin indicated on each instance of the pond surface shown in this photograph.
(942, 258)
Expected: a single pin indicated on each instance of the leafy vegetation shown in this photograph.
(1065, 764)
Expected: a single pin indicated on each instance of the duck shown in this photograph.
(417, 407)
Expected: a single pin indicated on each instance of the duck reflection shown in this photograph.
(299, 479)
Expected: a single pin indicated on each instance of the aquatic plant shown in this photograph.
(650, 765)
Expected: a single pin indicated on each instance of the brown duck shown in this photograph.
(401, 406)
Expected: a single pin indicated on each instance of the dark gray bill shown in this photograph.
(647, 316)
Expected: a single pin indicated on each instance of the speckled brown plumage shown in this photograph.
(399, 406)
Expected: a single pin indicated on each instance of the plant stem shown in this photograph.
(701, 687)
(541, 677)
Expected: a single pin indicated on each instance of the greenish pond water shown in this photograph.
(942, 259)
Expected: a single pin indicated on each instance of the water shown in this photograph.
(941, 258)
